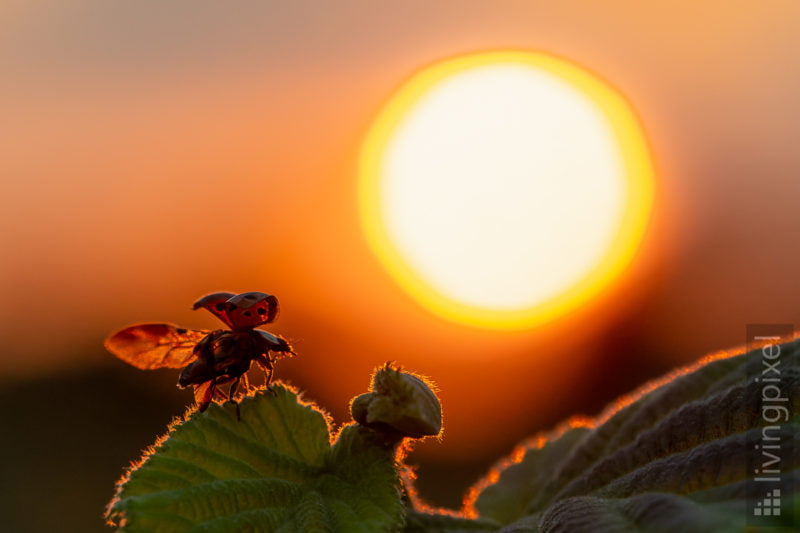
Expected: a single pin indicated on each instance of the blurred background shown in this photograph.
(151, 152)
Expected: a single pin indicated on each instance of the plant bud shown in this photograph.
(400, 402)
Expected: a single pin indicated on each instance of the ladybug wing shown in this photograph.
(251, 309)
(201, 393)
(149, 346)
(216, 303)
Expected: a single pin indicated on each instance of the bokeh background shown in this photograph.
(151, 152)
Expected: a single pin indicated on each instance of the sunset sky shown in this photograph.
(151, 152)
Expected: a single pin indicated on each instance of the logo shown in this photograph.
(770, 487)
(770, 505)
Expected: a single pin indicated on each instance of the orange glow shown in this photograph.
(136, 180)
(635, 172)
(149, 230)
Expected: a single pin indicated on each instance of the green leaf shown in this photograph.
(273, 470)
(424, 522)
(672, 457)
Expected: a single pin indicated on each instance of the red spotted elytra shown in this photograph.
(209, 358)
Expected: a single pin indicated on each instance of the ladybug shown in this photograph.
(209, 359)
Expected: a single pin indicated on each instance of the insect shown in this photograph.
(209, 358)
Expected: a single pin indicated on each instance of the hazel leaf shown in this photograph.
(273, 470)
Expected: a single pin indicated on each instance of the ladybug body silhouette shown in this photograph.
(209, 359)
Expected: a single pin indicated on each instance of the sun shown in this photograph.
(504, 189)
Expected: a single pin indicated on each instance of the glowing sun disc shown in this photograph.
(503, 189)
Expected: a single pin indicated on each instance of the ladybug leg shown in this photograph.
(231, 393)
(266, 363)
(232, 390)
(218, 394)
(269, 371)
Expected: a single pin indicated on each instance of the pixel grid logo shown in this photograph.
(770, 505)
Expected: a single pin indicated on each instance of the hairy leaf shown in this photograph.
(672, 457)
(425, 522)
(273, 470)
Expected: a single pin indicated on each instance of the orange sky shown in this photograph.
(155, 152)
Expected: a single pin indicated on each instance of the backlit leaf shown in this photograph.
(273, 470)
(672, 457)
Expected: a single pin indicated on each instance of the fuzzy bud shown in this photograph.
(401, 402)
